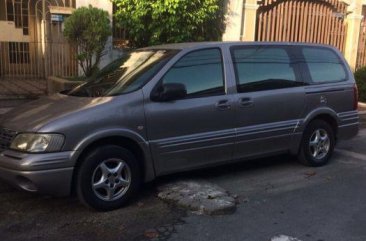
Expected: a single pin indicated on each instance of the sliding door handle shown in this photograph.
(223, 105)
(243, 102)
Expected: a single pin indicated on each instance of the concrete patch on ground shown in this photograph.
(199, 197)
(284, 238)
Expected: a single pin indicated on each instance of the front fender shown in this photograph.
(100, 134)
(125, 133)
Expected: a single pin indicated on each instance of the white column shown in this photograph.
(353, 32)
(233, 19)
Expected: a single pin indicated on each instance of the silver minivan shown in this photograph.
(178, 107)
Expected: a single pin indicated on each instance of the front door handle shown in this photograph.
(243, 102)
(223, 105)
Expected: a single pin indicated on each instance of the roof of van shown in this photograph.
(189, 45)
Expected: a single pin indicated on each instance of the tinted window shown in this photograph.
(263, 68)
(200, 71)
(324, 65)
(124, 75)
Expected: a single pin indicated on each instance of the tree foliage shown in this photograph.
(89, 28)
(150, 22)
(360, 76)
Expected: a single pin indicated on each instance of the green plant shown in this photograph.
(89, 28)
(360, 76)
(150, 22)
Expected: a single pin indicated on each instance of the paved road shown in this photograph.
(275, 195)
(281, 197)
(7, 103)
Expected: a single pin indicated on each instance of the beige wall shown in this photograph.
(12, 34)
(8, 32)
(250, 17)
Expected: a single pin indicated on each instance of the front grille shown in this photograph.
(6, 136)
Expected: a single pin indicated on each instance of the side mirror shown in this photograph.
(169, 92)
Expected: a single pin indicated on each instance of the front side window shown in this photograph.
(200, 71)
(324, 65)
(263, 68)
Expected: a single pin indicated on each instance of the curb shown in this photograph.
(361, 104)
(18, 97)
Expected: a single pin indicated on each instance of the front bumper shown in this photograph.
(49, 173)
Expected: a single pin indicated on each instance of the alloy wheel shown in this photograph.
(319, 144)
(111, 179)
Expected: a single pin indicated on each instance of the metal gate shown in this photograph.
(314, 21)
(40, 52)
(20, 59)
(361, 52)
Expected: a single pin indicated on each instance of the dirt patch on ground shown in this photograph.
(24, 216)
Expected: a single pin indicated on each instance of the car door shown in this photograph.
(270, 99)
(199, 129)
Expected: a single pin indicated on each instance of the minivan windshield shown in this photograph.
(124, 75)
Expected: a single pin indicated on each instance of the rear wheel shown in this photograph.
(108, 178)
(317, 144)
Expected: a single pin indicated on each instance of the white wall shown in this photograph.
(233, 20)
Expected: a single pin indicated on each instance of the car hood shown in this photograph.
(31, 116)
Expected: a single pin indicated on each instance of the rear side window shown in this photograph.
(263, 68)
(200, 71)
(324, 65)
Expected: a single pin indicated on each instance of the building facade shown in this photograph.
(31, 41)
(32, 44)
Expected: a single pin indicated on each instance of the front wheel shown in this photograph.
(317, 144)
(108, 178)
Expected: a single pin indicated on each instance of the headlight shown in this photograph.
(29, 142)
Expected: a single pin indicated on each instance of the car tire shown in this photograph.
(317, 144)
(108, 178)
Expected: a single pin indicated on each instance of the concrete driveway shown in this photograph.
(276, 196)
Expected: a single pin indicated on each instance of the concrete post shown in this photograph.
(353, 32)
(234, 20)
(249, 20)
